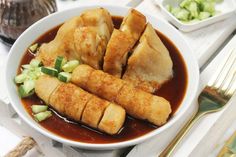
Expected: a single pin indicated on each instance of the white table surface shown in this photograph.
(204, 43)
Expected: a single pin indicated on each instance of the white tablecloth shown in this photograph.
(204, 43)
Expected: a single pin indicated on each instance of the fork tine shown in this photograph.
(219, 79)
(231, 87)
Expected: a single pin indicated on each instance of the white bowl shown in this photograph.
(42, 26)
(227, 8)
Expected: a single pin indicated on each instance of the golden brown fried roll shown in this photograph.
(45, 86)
(136, 102)
(96, 77)
(113, 119)
(134, 24)
(150, 64)
(94, 111)
(84, 71)
(77, 104)
(116, 53)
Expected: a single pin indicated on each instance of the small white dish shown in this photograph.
(226, 8)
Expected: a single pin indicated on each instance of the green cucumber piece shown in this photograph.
(39, 108)
(64, 76)
(42, 116)
(49, 71)
(60, 61)
(33, 48)
(204, 15)
(20, 78)
(26, 66)
(23, 93)
(35, 63)
(28, 85)
(70, 66)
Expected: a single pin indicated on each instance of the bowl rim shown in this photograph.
(106, 146)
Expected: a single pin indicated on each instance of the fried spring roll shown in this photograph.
(136, 102)
(79, 105)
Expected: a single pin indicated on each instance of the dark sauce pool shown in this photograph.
(173, 91)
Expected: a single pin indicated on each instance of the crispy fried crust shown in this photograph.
(134, 24)
(94, 111)
(79, 105)
(81, 75)
(150, 64)
(113, 119)
(136, 102)
(45, 86)
(118, 48)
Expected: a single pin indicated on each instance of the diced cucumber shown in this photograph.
(33, 48)
(209, 7)
(23, 93)
(60, 61)
(183, 15)
(64, 76)
(39, 108)
(35, 63)
(26, 66)
(70, 66)
(20, 78)
(28, 85)
(185, 3)
(42, 116)
(49, 71)
(193, 9)
(204, 15)
(175, 11)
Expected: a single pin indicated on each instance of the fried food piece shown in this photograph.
(96, 77)
(150, 64)
(117, 51)
(94, 111)
(69, 100)
(62, 45)
(134, 24)
(113, 119)
(84, 72)
(45, 86)
(91, 40)
(136, 102)
(79, 105)
(122, 41)
(83, 38)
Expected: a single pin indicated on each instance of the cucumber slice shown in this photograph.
(49, 71)
(23, 93)
(28, 85)
(60, 61)
(39, 108)
(33, 48)
(70, 66)
(42, 116)
(26, 66)
(204, 15)
(64, 76)
(35, 63)
(20, 78)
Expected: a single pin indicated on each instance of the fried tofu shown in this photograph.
(95, 78)
(113, 119)
(45, 86)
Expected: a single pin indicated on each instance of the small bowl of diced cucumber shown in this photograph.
(189, 15)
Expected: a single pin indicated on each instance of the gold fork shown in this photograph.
(213, 98)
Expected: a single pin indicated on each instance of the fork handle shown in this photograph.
(178, 138)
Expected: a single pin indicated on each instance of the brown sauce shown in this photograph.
(173, 90)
